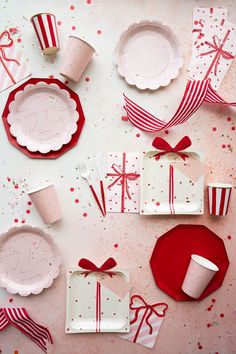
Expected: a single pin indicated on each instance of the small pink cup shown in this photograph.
(45, 201)
(219, 197)
(77, 56)
(46, 31)
(199, 274)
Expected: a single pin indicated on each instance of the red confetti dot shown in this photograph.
(157, 203)
(124, 118)
(223, 146)
(15, 220)
(27, 211)
(214, 129)
(59, 23)
(99, 32)
(222, 315)
(18, 40)
(138, 135)
(72, 7)
(72, 189)
(166, 132)
(89, 2)
(29, 203)
(229, 237)
(229, 119)
(87, 79)
(73, 28)
(11, 300)
(195, 22)
(208, 325)
(51, 76)
(213, 300)
(200, 347)
(66, 82)
(116, 245)
(8, 178)
(85, 215)
(76, 201)
(16, 186)
(23, 221)
(233, 128)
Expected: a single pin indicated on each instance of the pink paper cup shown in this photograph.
(219, 197)
(46, 31)
(45, 201)
(77, 56)
(199, 274)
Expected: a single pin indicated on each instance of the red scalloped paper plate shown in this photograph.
(64, 148)
(172, 252)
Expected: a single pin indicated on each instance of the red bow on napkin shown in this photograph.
(217, 46)
(142, 305)
(91, 267)
(161, 144)
(123, 177)
(6, 42)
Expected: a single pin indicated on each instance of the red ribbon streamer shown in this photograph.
(91, 267)
(161, 144)
(146, 316)
(3, 55)
(123, 177)
(217, 46)
(20, 319)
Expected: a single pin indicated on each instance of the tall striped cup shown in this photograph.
(219, 196)
(46, 31)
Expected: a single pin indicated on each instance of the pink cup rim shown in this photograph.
(40, 188)
(82, 40)
(204, 262)
(219, 185)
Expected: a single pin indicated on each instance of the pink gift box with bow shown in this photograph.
(123, 182)
(145, 321)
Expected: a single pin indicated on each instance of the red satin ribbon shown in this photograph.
(123, 178)
(3, 55)
(146, 316)
(217, 46)
(161, 144)
(91, 267)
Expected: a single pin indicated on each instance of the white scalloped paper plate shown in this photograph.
(29, 260)
(148, 55)
(43, 117)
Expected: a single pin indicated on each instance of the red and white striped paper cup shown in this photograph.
(46, 30)
(219, 196)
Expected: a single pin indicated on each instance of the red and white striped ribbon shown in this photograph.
(19, 318)
(196, 92)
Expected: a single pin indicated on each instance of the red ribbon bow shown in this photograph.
(91, 267)
(161, 144)
(217, 46)
(123, 177)
(145, 306)
(3, 45)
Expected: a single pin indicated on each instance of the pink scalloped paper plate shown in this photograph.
(43, 117)
(148, 55)
(29, 260)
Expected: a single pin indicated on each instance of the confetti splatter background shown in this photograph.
(206, 327)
